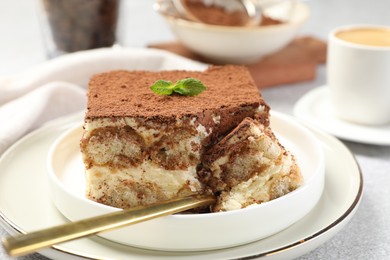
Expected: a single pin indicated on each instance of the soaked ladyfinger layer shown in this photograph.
(139, 147)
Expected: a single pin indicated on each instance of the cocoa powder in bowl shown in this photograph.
(216, 15)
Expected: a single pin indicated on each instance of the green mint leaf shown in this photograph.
(162, 87)
(185, 87)
(189, 87)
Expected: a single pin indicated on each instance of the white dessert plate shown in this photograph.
(315, 108)
(25, 204)
(186, 232)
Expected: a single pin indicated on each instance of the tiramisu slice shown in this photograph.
(249, 166)
(140, 148)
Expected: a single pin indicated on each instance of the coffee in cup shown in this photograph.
(358, 73)
(366, 36)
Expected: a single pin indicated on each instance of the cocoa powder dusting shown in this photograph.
(228, 88)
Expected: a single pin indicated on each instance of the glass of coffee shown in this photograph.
(74, 25)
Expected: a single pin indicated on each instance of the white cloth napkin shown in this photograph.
(28, 112)
(57, 87)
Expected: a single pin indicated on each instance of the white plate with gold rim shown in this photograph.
(25, 204)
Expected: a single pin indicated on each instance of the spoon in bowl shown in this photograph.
(178, 8)
(253, 9)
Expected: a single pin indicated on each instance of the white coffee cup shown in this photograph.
(358, 73)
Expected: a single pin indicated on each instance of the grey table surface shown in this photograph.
(367, 235)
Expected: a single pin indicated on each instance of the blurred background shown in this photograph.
(22, 46)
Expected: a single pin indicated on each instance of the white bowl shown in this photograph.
(194, 232)
(239, 44)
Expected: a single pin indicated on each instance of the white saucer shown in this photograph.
(25, 205)
(314, 107)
